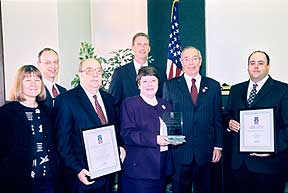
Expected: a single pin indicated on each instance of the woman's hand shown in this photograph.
(162, 140)
(122, 154)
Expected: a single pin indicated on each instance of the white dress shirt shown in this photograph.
(138, 66)
(49, 86)
(259, 85)
(99, 99)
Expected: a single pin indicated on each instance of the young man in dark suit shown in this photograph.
(123, 83)
(78, 109)
(48, 63)
(199, 100)
(259, 172)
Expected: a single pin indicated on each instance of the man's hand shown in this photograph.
(234, 125)
(83, 177)
(216, 155)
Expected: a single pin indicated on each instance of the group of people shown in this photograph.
(40, 142)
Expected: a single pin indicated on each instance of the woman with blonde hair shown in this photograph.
(27, 155)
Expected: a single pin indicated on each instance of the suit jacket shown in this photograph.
(49, 99)
(73, 112)
(140, 126)
(272, 94)
(123, 83)
(16, 147)
(202, 123)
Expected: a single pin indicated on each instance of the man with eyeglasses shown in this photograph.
(48, 63)
(86, 106)
(199, 100)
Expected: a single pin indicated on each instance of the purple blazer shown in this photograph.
(140, 126)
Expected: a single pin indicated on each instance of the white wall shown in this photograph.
(74, 26)
(234, 29)
(31, 25)
(28, 26)
(114, 23)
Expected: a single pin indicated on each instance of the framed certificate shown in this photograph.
(257, 131)
(101, 150)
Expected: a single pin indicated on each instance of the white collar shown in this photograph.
(152, 102)
(138, 66)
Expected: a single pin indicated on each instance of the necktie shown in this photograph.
(54, 91)
(252, 94)
(194, 92)
(99, 111)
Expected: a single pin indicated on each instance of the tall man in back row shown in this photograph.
(123, 83)
(48, 63)
(259, 172)
(199, 100)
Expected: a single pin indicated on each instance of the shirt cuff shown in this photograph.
(219, 148)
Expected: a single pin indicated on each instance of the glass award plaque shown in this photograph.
(174, 124)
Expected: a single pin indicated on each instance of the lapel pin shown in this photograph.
(204, 89)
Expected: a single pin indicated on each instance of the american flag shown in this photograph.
(174, 67)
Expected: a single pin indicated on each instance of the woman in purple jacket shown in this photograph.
(144, 134)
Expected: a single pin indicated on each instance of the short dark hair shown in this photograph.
(147, 71)
(46, 50)
(259, 51)
(139, 34)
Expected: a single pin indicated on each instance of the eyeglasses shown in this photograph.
(146, 82)
(91, 71)
(193, 59)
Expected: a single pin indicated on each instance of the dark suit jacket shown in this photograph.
(73, 112)
(49, 99)
(16, 147)
(272, 94)
(140, 126)
(202, 123)
(123, 83)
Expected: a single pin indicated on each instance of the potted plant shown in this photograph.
(118, 58)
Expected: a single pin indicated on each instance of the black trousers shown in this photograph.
(43, 185)
(246, 181)
(188, 174)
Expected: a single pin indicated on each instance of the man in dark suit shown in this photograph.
(48, 63)
(199, 100)
(259, 172)
(123, 83)
(78, 109)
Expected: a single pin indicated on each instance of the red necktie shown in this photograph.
(54, 91)
(194, 92)
(99, 111)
